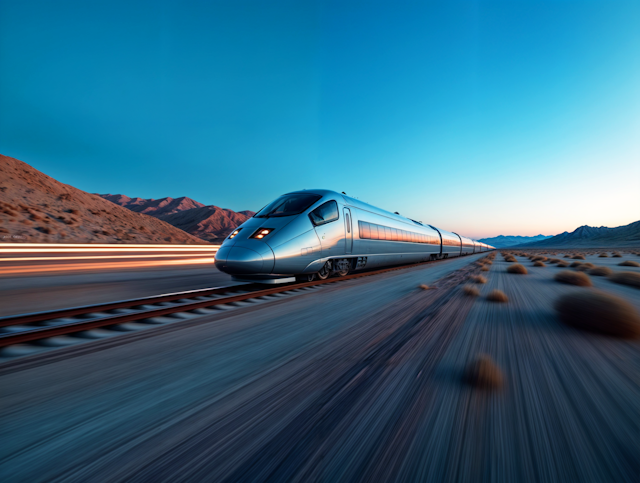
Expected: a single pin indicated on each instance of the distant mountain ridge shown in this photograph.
(210, 223)
(502, 241)
(157, 208)
(594, 237)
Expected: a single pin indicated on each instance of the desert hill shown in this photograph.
(594, 237)
(35, 208)
(502, 241)
(210, 223)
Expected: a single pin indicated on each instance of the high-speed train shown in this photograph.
(312, 234)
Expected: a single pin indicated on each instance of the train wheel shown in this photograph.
(310, 277)
(342, 267)
(325, 271)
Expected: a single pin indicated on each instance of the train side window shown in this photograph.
(364, 230)
(325, 213)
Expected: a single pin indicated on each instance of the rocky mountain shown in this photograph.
(502, 241)
(594, 237)
(157, 208)
(35, 208)
(209, 223)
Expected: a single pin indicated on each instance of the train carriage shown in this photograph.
(319, 233)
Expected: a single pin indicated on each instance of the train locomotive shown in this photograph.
(309, 234)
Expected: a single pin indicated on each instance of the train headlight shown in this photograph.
(261, 233)
(234, 233)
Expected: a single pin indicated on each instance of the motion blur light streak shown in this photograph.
(107, 245)
(127, 248)
(99, 257)
(106, 257)
(94, 266)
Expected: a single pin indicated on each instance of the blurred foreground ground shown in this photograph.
(68, 278)
(356, 381)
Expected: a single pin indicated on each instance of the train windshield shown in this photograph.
(288, 205)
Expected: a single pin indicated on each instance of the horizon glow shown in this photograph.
(484, 118)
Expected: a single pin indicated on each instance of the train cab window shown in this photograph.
(325, 213)
(288, 205)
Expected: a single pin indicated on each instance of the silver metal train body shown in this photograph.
(319, 233)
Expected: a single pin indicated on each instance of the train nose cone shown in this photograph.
(241, 260)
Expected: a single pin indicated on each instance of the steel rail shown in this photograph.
(87, 309)
(82, 325)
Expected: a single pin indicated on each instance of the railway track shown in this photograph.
(86, 323)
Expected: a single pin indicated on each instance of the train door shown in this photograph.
(348, 231)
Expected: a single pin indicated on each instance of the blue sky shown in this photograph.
(487, 118)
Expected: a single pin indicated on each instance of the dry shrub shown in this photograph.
(584, 267)
(46, 230)
(424, 287)
(483, 373)
(517, 268)
(539, 264)
(567, 256)
(575, 264)
(477, 279)
(626, 278)
(563, 264)
(603, 255)
(573, 278)
(539, 259)
(578, 257)
(470, 290)
(616, 255)
(65, 196)
(74, 211)
(485, 269)
(600, 271)
(497, 296)
(629, 263)
(599, 312)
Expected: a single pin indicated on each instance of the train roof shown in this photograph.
(367, 207)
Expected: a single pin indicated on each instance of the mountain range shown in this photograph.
(502, 241)
(35, 208)
(594, 237)
(209, 223)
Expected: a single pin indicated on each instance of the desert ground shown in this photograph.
(367, 379)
